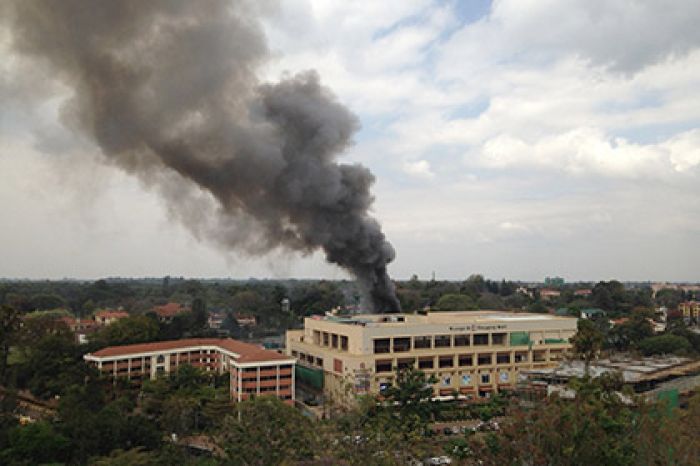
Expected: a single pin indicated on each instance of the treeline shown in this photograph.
(117, 424)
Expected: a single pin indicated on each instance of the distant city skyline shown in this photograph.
(514, 139)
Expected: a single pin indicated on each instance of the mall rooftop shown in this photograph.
(441, 317)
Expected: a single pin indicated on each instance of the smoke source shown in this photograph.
(168, 90)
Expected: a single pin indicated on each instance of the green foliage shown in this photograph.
(10, 322)
(455, 302)
(629, 334)
(587, 342)
(35, 443)
(266, 431)
(186, 401)
(595, 428)
(52, 364)
(134, 457)
(409, 399)
(133, 329)
(664, 344)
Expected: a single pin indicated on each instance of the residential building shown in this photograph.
(583, 292)
(216, 319)
(166, 312)
(107, 316)
(253, 370)
(471, 353)
(245, 320)
(690, 309)
(548, 293)
(80, 328)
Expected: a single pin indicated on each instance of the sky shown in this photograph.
(517, 138)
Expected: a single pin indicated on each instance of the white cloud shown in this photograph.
(419, 169)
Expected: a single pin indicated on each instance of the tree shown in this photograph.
(587, 342)
(199, 313)
(628, 334)
(10, 320)
(35, 444)
(410, 398)
(664, 344)
(594, 428)
(267, 431)
(455, 302)
(134, 329)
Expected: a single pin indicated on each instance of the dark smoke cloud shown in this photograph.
(169, 87)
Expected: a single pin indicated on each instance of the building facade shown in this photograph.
(472, 354)
(690, 309)
(253, 370)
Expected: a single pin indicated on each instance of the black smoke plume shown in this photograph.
(168, 90)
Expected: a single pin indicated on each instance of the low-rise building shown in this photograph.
(690, 309)
(548, 293)
(253, 370)
(107, 316)
(245, 320)
(471, 353)
(166, 312)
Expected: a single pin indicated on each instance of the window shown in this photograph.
(443, 341)
(466, 379)
(485, 378)
(382, 345)
(406, 363)
(326, 339)
(295, 353)
(337, 365)
(503, 376)
(446, 381)
(422, 342)
(317, 337)
(498, 339)
(461, 340)
(319, 362)
(481, 339)
(334, 340)
(484, 359)
(539, 356)
(382, 365)
(426, 363)
(160, 360)
(402, 345)
(446, 361)
(521, 356)
(466, 360)
(343, 343)
(503, 358)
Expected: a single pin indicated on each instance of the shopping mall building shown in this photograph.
(472, 354)
(253, 370)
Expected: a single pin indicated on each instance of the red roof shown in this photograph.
(108, 314)
(247, 351)
(169, 310)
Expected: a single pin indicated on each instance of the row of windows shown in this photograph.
(461, 360)
(404, 344)
(266, 389)
(267, 377)
(332, 340)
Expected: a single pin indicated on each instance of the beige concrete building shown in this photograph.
(472, 353)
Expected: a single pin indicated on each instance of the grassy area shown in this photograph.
(15, 357)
